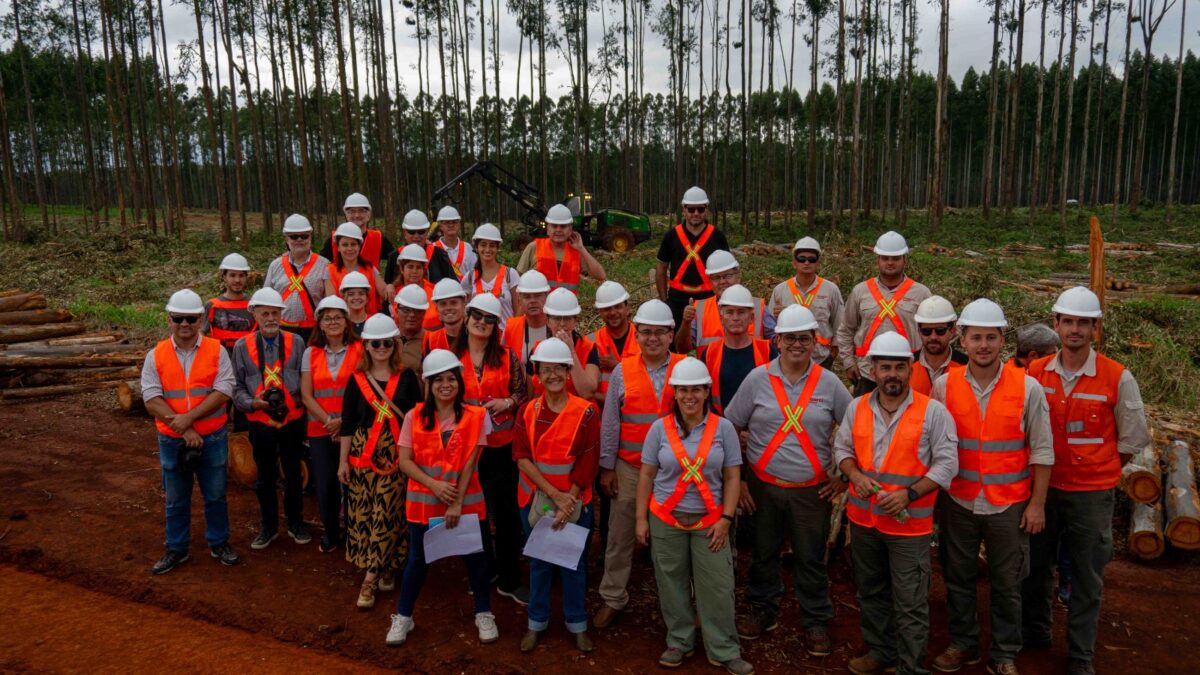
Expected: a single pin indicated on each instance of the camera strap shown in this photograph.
(383, 396)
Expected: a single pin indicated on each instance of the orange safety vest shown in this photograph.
(1085, 427)
(901, 469)
(514, 337)
(807, 300)
(495, 384)
(497, 284)
(552, 452)
(327, 389)
(887, 310)
(296, 285)
(792, 415)
(371, 249)
(993, 454)
(183, 392)
(919, 379)
(434, 339)
(714, 355)
(383, 415)
(641, 407)
(708, 313)
(272, 375)
(692, 258)
(564, 276)
(431, 320)
(692, 473)
(223, 335)
(445, 462)
(583, 349)
(608, 347)
(454, 263)
(336, 276)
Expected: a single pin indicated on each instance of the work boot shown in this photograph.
(819, 643)
(954, 658)
(584, 643)
(673, 657)
(867, 664)
(1002, 668)
(1081, 667)
(224, 553)
(605, 617)
(752, 627)
(738, 666)
(530, 641)
(169, 561)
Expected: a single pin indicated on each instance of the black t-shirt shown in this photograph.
(358, 414)
(736, 364)
(619, 342)
(672, 252)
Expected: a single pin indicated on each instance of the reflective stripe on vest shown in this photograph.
(993, 455)
(296, 285)
(715, 354)
(445, 462)
(691, 258)
(183, 392)
(793, 426)
(560, 275)
(902, 468)
(552, 450)
(641, 407)
(887, 310)
(223, 335)
(327, 389)
(806, 301)
(693, 474)
(383, 415)
(495, 384)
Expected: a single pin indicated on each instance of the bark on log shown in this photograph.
(1183, 508)
(1141, 478)
(22, 301)
(73, 350)
(11, 334)
(129, 396)
(37, 361)
(10, 292)
(46, 378)
(34, 317)
(1145, 531)
(55, 390)
(101, 338)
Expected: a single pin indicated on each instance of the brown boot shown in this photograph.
(1002, 668)
(867, 664)
(752, 627)
(366, 595)
(584, 643)
(605, 617)
(819, 643)
(530, 641)
(955, 658)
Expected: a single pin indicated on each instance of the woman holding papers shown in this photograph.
(686, 498)
(556, 443)
(439, 446)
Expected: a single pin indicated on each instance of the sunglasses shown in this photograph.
(299, 237)
(418, 233)
(695, 209)
(381, 344)
(930, 331)
(807, 258)
(795, 339)
(185, 319)
(476, 315)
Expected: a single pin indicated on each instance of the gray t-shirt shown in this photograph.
(656, 451)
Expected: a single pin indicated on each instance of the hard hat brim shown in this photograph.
(796, 329)
(1083, 314)
(612, 303)
(880, 251)
(945, 318)
(175, 309)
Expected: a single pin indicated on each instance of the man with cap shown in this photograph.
(266, 365)
(638, 394)
(560, 255)
(459, 252)
(186, 381)
(377, 250)
(821, 296)
(408, 309)
(1098, 420)
(884, 303)
(737, 353)
(897, 447)
(935, 322)
(1033, 342)
(613, 340)
(416, 231)
(702, 319)
(679, 276)
(788, 410)
(998, 498)
(522, 333)
(451, 302)
(298, 276)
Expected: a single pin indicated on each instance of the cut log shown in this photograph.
(55, 390)
(22, 301)
(100, 338)
(241, 459)
(10, 291)
(11, 334)
(73, 350)
(1183, 508)
(35, 317)
(35, 361)
(46, 378)
(1145, 531)
(1141, 478)
(129, 396)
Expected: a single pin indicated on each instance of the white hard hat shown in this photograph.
(448, 212)
(610, 293)
(487, 231)
(1078, 301)
(736, 295)
(332, 302)
(265, 297)
(559, 215)
(689, 372)
(935, 309)
(694, 196)
(552, 350)
(379, 327)
(533, 281)
(439, 361)
(795, 319)
(807, 244)
(487, 303)
(983, 313)
(448, 288)
(654, 313)
(235, 262)
(349, 230)
(415, 220)
(296, 224)
(185, 302)
(890, 345)
(415, 253)
(891, 243)
(561, 302)
(412, 296)
(356, 200)
(720, 260)
(354, 280)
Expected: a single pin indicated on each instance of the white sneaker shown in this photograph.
(486, 621)
(398, 633)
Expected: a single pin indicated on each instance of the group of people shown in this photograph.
(432, 382)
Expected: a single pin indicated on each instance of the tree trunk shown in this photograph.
(83, 92)
(35, 151)
(1175, 121)
(214, 156)
(1014, 116)
(941, 122)
(993, 103)
(1070, 114)
(1036, 168)
(811, 104)
(1116, 195)
(1183, 508)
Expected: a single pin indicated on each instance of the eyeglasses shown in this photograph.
(476, 315)
(695, 209)
(299, 237)
(549, 368)
(185, 319)
(807, 258)
(381, 344)
(802, 339)
(941, 330)
(660, 333)
(333, 318)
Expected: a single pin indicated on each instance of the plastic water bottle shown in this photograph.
(900, 517)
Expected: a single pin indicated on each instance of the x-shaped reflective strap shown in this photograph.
(691, 470)
(793, 415)
(271, 376)
(296, 283)
(805, 300)
(886, 307)
(692, 253)
(382, 411)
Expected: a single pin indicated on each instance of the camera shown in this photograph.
(189, 459)
(276, 404)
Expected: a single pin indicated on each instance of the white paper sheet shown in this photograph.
(442, 542)
(559, 547)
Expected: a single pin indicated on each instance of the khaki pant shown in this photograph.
(892, 575)
(622, 536)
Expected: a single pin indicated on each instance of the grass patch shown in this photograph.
(143, 316)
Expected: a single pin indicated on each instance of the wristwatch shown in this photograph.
(912, 495)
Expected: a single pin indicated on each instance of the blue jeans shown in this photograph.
(177, 486)
(574, 583)
(416, 570)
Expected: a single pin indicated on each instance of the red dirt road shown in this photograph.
(81, 504)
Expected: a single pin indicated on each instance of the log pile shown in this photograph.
(1166, 508)
(44, 352)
